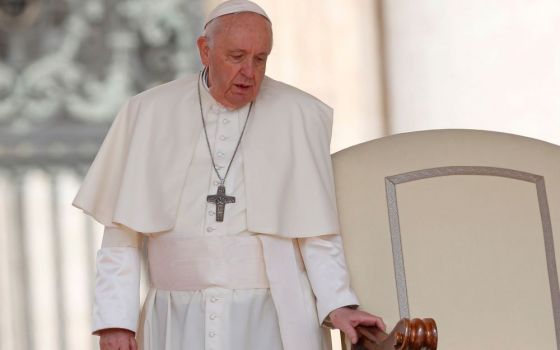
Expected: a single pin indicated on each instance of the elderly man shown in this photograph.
(226, 176)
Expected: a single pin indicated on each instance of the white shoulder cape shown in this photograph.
(137, 178)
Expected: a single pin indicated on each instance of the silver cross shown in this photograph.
(220, 199)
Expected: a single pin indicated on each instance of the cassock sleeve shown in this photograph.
(117, 283)
(325, 263)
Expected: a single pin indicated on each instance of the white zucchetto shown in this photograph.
(235, 6)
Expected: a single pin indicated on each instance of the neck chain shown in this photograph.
(220, 198)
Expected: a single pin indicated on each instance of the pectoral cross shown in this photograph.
(220, 199)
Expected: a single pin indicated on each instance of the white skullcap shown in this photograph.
(234, 6)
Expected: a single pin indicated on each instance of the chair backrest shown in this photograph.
(460, 226)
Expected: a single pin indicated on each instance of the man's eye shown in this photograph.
(237, 57)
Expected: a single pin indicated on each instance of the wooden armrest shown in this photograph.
(408, 334)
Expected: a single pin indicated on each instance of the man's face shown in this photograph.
(236, 55)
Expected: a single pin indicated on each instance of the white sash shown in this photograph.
(187, 264)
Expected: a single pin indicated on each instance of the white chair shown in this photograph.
(458, 225)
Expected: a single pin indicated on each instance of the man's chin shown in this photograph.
(237, 101)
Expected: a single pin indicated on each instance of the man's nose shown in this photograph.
(248, 68)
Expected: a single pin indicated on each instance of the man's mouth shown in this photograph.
(243, 86)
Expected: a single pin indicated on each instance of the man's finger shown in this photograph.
(350, 333)
(381, 324)
(368, 320)
(133, 344)
(113, 346)
(372, 321)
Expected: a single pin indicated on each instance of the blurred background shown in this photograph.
(386, 67)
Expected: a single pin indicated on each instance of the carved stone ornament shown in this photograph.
(64, 78)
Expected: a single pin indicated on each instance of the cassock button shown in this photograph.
(213, 316)
(212, 334)
(223, 138)
(220, 154)
(214, 299)
(225, 121)
(216, 183)
(211, 213)
(210, 229)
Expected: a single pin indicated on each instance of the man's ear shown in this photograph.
(203, 48)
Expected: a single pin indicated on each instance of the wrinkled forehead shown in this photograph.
(244, 28)
(244, 20)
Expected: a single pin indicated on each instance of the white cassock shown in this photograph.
(230, 285)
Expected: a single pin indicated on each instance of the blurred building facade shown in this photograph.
(65, 69)
(387, 66)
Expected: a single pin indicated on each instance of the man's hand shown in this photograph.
(117, 339)
(347, 319)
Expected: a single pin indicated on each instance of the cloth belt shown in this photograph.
(188, 264)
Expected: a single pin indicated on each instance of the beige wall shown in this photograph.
(481, 64)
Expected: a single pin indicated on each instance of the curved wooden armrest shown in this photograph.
(408, 334)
